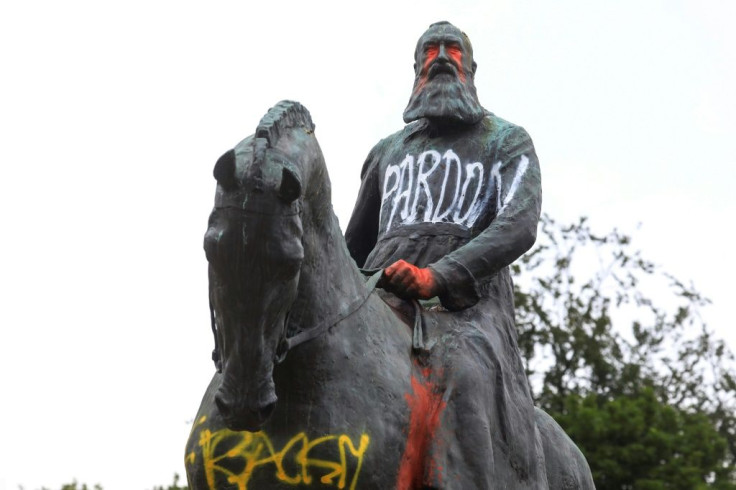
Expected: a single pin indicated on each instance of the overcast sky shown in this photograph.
(112, 115)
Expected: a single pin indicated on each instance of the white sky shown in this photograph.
(112, 115)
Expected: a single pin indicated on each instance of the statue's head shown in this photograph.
(444, 71)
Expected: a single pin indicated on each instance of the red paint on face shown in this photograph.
(431, 54)
(452, 50)
(426, 406)
(456, 55)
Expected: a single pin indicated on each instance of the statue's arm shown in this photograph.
(517, 203)
(362, 230)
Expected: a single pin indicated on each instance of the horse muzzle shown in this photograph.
(239, 415)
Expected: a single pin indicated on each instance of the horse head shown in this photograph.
(255, 252)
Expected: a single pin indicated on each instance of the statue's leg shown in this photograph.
(487, 436)
(567, 468)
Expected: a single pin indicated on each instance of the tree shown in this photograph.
(173, 486)
(76, 486)
(617, 352)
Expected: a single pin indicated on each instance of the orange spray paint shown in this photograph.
(426, 406)
(456, 56)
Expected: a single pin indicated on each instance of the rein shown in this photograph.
(288, 343)
(216, 351)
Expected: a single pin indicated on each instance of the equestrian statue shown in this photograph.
(387, 358)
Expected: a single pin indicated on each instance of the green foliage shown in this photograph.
(621, 358)
(639, 442)
(173, 486)
(76, 486)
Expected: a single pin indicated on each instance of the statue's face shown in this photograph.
(441, 52)
(443, 83)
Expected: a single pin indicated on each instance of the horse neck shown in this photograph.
(329, 279)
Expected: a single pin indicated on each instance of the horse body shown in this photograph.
(329, 420)
(345, 408)
(340, 415)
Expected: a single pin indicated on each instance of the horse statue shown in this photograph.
(316, 384)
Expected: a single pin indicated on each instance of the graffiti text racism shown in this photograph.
(237, 455)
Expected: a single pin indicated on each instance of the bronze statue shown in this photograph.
(446, 204)
(323, 382)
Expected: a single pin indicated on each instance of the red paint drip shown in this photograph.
(426, 406)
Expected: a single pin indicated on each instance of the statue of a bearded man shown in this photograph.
(445, 206)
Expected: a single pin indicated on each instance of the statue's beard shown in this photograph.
(444, 98)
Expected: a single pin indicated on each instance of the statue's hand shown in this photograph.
(409, 281)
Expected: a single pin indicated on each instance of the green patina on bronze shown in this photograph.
(336, 383)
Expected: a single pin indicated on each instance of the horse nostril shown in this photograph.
(266, 411)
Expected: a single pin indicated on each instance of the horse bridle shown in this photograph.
(288, 343)
(250, 209)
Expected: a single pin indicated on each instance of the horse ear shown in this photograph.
(291, 187)
(224, 171)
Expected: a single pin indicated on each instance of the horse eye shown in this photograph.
(211, 240)
(210, 247)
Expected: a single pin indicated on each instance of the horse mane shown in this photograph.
(287, 114)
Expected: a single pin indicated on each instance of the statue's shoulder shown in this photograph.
(404, 134)
(381, 149)
(498, 127)
(394, 140)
